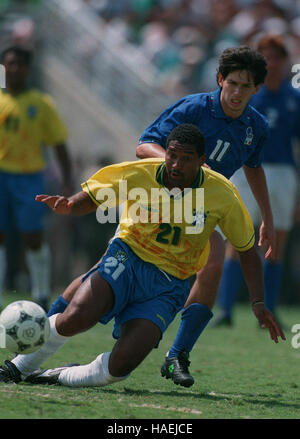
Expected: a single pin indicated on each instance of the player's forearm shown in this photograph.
(150, 150)
(81, 204)
(253, 274)
(257, 182)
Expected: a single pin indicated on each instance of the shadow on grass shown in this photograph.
(240, 399)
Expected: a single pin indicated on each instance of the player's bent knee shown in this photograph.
(139, 337)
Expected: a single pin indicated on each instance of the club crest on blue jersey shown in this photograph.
(31, 112)
(249, 136)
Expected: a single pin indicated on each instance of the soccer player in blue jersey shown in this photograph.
(280, 103)
(235, 135)
(142, 280)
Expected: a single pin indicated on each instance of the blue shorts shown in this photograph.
(17, 201)
(142, 291)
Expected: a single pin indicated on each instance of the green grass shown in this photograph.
(240, 373)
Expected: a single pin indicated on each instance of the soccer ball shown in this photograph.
(25, 327)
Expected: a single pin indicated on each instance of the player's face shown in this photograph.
(237, 89)
(16, 70)
(182, 165)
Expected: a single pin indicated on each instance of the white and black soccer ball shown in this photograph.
(25, 327)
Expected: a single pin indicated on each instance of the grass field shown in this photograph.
(239, 374)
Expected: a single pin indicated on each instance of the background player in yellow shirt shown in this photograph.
(28, 121)
(142, 284)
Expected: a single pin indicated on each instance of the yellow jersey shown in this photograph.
(28, 122)
(166, 237)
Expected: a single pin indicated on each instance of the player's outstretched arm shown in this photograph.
(253, 273)
(78, 204)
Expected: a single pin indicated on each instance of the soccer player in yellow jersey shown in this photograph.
(28, 121)
(142, 280)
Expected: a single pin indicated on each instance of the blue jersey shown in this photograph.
(230, 143)
(282, 109)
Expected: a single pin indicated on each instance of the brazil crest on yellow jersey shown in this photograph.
(171, 229)
(28, 121)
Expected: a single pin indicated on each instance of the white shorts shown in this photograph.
(282, 187)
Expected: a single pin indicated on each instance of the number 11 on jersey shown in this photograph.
(219, 150)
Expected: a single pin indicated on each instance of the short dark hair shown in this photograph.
(274, 42)
(243, 58)
(188, 134)
(24, 53)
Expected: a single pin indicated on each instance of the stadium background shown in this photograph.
(112, 66)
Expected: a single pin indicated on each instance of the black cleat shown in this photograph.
(176, 368)
(47, 376)
(9, 373)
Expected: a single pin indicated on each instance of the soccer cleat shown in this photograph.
(176, 368)
(9, 373)
(47, 376)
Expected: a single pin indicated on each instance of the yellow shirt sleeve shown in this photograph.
(105, 185)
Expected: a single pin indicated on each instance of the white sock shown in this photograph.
(30, 362)
(95, 373)
(38, 262)
(3, 264)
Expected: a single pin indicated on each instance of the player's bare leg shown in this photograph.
(233, 277)
(281, 237)
(38, 259)
(92, 300)
(33, 240)
(139, 337)
(72, 288)
(207, 281)
(229, 286)
(196, 315)
(65, 298)
(273, 270)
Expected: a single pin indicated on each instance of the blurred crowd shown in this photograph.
(180, 39)
(183, 38)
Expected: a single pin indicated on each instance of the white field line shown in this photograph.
(172, 409)
(224, 394)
